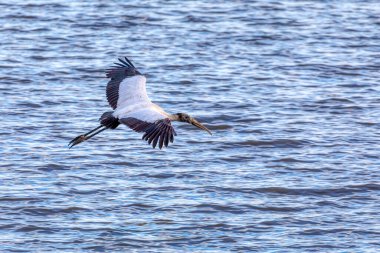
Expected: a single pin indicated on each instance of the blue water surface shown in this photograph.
(290, 90)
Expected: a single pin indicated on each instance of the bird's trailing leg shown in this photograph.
(86, 136)
(107, 121)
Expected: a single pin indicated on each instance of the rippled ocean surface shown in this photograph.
(290, 90)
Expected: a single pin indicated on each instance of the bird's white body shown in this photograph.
(134, 102)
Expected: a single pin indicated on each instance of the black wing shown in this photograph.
(117, 74)
(161, 131)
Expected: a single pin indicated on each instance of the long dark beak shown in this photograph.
(194, 122)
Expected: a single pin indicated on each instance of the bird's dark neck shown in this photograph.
(174, 117)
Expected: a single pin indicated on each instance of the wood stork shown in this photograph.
(126, 94)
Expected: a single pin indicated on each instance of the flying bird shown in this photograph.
(126, 94)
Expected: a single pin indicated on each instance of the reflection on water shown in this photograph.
(289, 89)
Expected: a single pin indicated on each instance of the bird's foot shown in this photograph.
(77, 140)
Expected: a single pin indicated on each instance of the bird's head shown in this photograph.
(183, 117)
(131, 72)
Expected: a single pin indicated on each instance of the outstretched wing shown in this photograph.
(157, 127)
(127, 85)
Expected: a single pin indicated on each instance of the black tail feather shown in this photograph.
(108, 120)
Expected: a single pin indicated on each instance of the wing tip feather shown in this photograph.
(159, 132)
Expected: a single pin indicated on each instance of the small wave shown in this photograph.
(335, 100)
(52, 166)
(52, 211)
(159, 175)
(213, 208)
(325, 231)
(309, 191)
(345, 190)
(291, 160)
(240, 209)
(32, 228)
(279, 143)
(140, 206)
(367, 123)
(88, 192)
(29, 105)
(15, 199)
(219, 127)
(276, 208)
